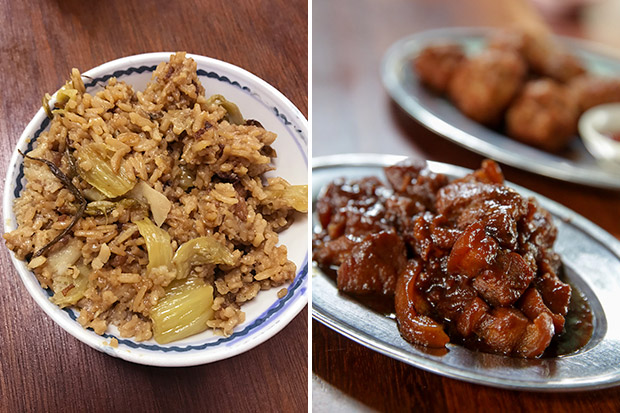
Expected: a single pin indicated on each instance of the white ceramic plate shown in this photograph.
(266, 314)
(591, 259)
(442, 117)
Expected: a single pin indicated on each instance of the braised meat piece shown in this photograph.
(414, 327)
(500, 330)
(470, 317)
(537, 337)
(415, 188)
(472, 252)
(532, 305)
(466, 202)
(360, 221)
(373, 265)
(415, 181)
(468, 261)
(476, 287)
(353, 208)
(426, 231)
(331, 252)
(503, 282)
(555, 293)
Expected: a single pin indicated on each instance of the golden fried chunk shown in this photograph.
(508, 40)
(543, 56)
(484, 85)
(543, 115)
(592, 91)
(562, 67)
(436, 64)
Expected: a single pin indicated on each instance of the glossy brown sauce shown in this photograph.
(469, 261)
(577, 330)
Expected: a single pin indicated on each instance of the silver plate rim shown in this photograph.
(564, 170)
(366, 340)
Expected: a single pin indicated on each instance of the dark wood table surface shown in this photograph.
(43, 368)
(353, 113)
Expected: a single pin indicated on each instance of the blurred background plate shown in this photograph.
(439, 115)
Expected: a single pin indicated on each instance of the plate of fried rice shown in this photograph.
(156, 209)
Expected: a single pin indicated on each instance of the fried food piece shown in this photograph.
(507, 40)
(592, 91)
(543, 56)
(484, 85)
(562, 67)
(543, 115)
(546, 58)
(436, 64)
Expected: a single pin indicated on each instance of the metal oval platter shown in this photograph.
(442, 117)
(591, 259)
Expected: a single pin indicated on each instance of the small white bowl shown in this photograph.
(266, 314)
(595, 127)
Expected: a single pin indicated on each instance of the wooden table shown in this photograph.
(44, 369)
(353, 113)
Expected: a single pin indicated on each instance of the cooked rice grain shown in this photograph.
(168, 136)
